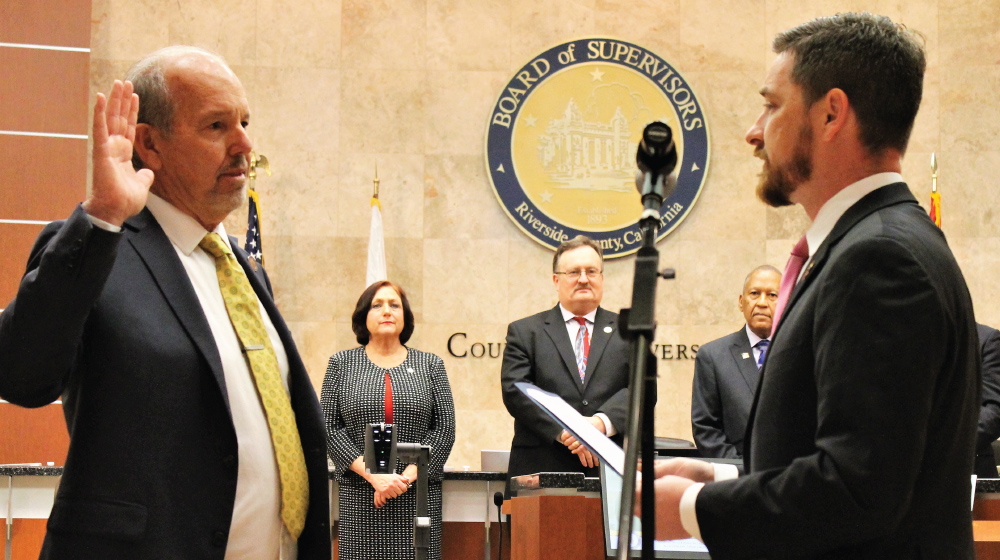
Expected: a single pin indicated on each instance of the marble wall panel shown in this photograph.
(383, 111)
(732, 42)
(304, 275)
(297, 33)
(218, 25)
(469, 279)
(302, 195)
(970, 193)
(538, 26)
(777, 251)
(463, 35)
(731, 105)
(296, 111)
(926, 134)
(317, 341)
(970, 108)
(979, 258)
(459, 202)
(127, 30)
(384, 34)
(787, 222)
(459, 106)
(710, 277)
(659, 30)
(970, 33)
(727, 207)
(529, 286)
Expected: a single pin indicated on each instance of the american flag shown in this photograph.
(253, 246)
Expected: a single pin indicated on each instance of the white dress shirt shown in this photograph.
(826, 219)
(256, 532)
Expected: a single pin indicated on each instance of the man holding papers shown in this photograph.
(575, 351)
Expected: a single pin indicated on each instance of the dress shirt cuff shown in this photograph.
(725, 471)
(97, 222)
(608, 426)
(689, 518)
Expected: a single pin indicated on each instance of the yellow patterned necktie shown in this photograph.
(244, 312)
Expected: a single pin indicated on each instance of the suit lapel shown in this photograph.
(747, 366)
(555, 328)
(604, 327)
(159, 256)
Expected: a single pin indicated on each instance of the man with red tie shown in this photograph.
(575, 351)
(863, 429)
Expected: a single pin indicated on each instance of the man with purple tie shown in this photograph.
(862, 432)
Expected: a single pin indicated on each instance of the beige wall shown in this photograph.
(336, 86)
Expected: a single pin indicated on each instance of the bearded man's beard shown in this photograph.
(778, 183)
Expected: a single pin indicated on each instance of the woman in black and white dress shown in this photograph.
(384, 381)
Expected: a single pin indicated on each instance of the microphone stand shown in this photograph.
(421, 455)
(638, 324)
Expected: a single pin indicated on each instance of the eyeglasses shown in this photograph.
(576, 274)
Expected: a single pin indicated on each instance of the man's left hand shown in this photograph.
(668, 490)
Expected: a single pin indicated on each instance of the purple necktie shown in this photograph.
(800, 253)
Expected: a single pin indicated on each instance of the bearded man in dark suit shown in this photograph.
(862, 434)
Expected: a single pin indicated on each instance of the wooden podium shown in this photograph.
(556, 528)
(986, 519)
(556, 516)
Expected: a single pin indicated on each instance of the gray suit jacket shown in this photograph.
(111, 323)
(725, 378)
(539, 351)
(863, 428)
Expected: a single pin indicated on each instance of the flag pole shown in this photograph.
(252, 245)
(935, 196)
(376, 239)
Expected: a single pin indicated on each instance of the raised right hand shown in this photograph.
(119, 192)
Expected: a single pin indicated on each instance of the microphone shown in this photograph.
(656, 158)
(498, 499)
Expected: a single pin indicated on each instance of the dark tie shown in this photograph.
(800, 253)
(762, 346)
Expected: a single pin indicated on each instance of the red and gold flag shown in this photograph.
(936, 208)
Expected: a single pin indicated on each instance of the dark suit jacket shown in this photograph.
(724, 384)
(862, 433)
(989, 412)
(539, 351)
(110, 323)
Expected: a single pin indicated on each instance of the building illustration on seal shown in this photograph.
(579, 154)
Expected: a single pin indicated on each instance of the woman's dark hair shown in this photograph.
(359, 320)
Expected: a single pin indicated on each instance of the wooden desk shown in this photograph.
(556, 528)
